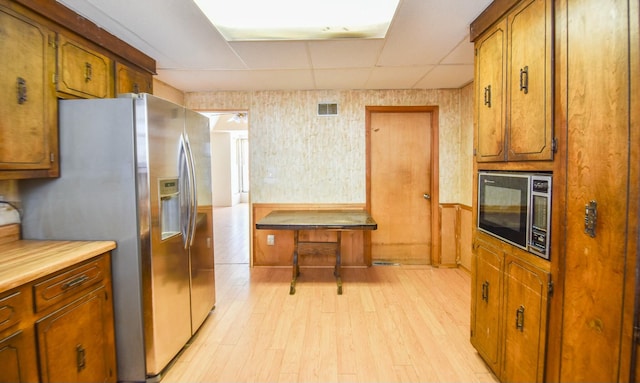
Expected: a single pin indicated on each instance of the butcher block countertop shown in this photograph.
(24, 261)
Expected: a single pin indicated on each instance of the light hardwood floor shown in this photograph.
(392, 324)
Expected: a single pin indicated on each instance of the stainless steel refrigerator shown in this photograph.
(136, 169)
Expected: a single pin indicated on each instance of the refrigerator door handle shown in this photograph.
(184, 176)
(193, 188)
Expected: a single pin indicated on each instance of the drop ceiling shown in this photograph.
(427, 47)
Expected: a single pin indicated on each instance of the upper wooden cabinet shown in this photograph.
(490, 94)
(28, 122)
(48, 52)
(83, 72)
(129, 80)
(529, 80)
(514, 86)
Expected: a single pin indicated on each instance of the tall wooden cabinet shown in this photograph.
(590, 331)
(598, 119)
(514, 86)
(513, 132)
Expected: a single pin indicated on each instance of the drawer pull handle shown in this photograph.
(22, 90)
(75, 282)
(80, 357)
(590, 218)
(88, 72)
(487, 96)
(524, 79)
(485, 291)
(520, 318)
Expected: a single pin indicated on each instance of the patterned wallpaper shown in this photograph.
(299, 157)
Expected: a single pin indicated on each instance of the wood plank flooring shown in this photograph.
(392, 324)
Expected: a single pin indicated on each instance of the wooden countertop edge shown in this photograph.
(25, 261)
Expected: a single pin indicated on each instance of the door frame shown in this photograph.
(435, 178)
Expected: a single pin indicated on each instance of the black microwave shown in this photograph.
(516, 207)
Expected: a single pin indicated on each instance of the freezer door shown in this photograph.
(201, 250)
(165, 262)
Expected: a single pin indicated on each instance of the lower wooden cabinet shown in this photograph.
(69, 337)
(73, 341)
(18, 358)
(509, 310)
(487, 302)
(525, 321)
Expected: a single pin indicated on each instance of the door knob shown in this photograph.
(426, 196)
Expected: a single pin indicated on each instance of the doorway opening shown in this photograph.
(230, 184)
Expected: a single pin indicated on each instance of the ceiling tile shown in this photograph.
(201, 81)
(463, 53)
(282, 79)
(396, 78)
(345, 53)
(447, 76)
(273, 54)
(341, 78)
(422, 36)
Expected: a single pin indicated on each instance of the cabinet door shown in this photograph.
(525, 321)
(74, 341)
(490, 94)
(18, 357)
(487, 303)
(83, 72)
(129, 80)
(28, 125)
(530, 101)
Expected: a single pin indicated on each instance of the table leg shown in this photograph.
(295, 271)
(336, 270)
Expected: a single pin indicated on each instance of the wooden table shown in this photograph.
(334, 220)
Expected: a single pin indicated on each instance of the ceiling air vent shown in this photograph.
(328, 109)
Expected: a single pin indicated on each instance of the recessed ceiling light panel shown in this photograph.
(251, 20)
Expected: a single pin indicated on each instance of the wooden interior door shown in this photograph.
(400, 174)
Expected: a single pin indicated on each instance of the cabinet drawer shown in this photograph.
(67, 283)
(14, 306)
